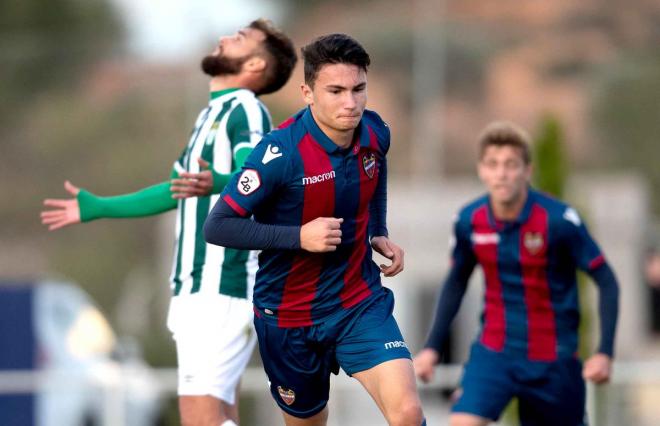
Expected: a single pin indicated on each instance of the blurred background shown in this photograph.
(105, 93)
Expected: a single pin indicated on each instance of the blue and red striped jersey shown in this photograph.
(531, 296)
(295, 175)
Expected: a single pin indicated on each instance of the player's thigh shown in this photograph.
(374, 352)
(487, 386)
(298, 371)
(560, 399)
(371, 337)
(214, 344)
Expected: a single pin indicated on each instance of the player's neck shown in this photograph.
(342, 138)
(509, 211)
(225, 82)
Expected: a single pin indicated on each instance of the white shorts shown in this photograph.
(214, 337)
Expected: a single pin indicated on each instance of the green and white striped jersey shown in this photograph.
(225, 132)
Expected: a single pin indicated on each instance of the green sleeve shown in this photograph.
(145, 202)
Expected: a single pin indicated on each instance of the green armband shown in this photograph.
(146, 202)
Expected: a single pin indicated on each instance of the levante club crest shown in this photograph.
(287, 395)
(533, 242)
(369, 164)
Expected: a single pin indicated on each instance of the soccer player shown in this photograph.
(210, 314)
(529, 246)
(317, 190)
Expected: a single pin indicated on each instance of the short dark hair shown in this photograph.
(504, 133)
(282, 56)
(332, 49)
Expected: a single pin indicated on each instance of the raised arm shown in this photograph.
(85, 206)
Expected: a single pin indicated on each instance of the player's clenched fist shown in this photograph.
(597, 368)
(321, 234)
(424, 364)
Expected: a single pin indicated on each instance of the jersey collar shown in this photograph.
(218, 93)
(522, 217)
(326, 143)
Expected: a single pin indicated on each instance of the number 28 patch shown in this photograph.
(248, 182)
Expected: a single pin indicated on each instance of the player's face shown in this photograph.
(232, 52)
(505, 174)
(338, 97)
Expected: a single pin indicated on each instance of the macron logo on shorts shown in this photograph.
(396, 344)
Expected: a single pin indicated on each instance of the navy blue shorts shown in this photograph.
(299, 360)
(549, 393)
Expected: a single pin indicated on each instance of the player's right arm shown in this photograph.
(85, 206)
(463, 263)
(264, 173)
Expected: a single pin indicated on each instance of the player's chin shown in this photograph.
(348, 122)
(503, 197)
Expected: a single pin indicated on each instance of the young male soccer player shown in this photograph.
(317, 190)
(210, 313)
(529, 246)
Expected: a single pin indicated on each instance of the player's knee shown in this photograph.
(409, 413)
(200, 411)
(461, 419)
(198, 419)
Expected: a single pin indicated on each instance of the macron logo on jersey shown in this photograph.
(307, 180)
(572, 216)
(272, 152)
(483, 238)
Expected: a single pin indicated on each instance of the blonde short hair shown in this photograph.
(504, 133)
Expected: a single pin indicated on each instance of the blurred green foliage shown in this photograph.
(551, 175)
(44, 44)
(626, 116)
(550, 168)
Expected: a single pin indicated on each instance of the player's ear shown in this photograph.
(307, 93)
(480, 170)
(529, 171)
(255, 64)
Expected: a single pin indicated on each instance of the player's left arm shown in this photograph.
(378, 233)
(380, 241)
(598, 367)
(589, 258)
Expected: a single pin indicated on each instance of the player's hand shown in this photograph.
(322, 234)
(391, 251)
(424, 363)
(597, 368)
(193, 184)
(64, 212)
